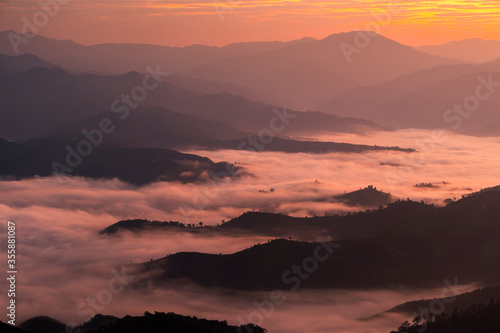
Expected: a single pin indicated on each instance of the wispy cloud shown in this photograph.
(185, 22)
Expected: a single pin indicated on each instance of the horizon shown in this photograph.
(226, 22)
(257, 41)
(220, 166)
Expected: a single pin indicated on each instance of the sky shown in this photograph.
(220, 22)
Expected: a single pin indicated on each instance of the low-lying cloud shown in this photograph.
(63, 260)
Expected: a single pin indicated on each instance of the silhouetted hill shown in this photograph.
(418, 251)
(352, 226)
(452, 302)
(136, 166)
(155, 127)
(43, 324)
(158, 322)
(141, 225)
(294, 146)
(368, 197)
(99, 321)
(21, 63)
(171, 322)
(7, 328)
(478, 318)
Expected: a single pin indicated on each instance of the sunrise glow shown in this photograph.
(180, 23)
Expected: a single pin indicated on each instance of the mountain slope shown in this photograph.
(367, 197)
(170, 322)
(305, 73)
(42, 324)
(21, 63)
(472, 50)
(253, 116)
(55, 97)
(422, 100)
(417, 252)
(482, 317)
(59, 98)
(155, 127)
(434, 106)
(135, 166)
(360, 225)
(299, 73)
(460, 301)
(151, 127)
(123, 58)
(158, 322)
(7, 328)
(361, 102)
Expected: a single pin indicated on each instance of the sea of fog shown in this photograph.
(63, 261)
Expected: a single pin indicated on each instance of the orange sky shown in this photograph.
(219, 22)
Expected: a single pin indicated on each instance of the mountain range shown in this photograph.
(359, 225)
(414, 249)
(388, 83)
(422, 99)
(131, 112)
(471, 50)
(60, 98)
(44, 158)
(154, 323)
(296, 74)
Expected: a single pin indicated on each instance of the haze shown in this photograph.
(345, 153)
(219, 23)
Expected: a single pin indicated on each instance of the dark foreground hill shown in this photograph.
(294, 146)
(478, 318)
(448, 303)
(158, 322)
(171, 322)
(84, 156)
(420, 250)
(7, 328)
(352, 226)
(41, 324)
(135, 166)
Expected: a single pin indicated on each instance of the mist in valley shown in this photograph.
(64, 260)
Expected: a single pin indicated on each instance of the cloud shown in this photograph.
(198, 21)
(302, 183)
(63, 266)
(63, 261)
